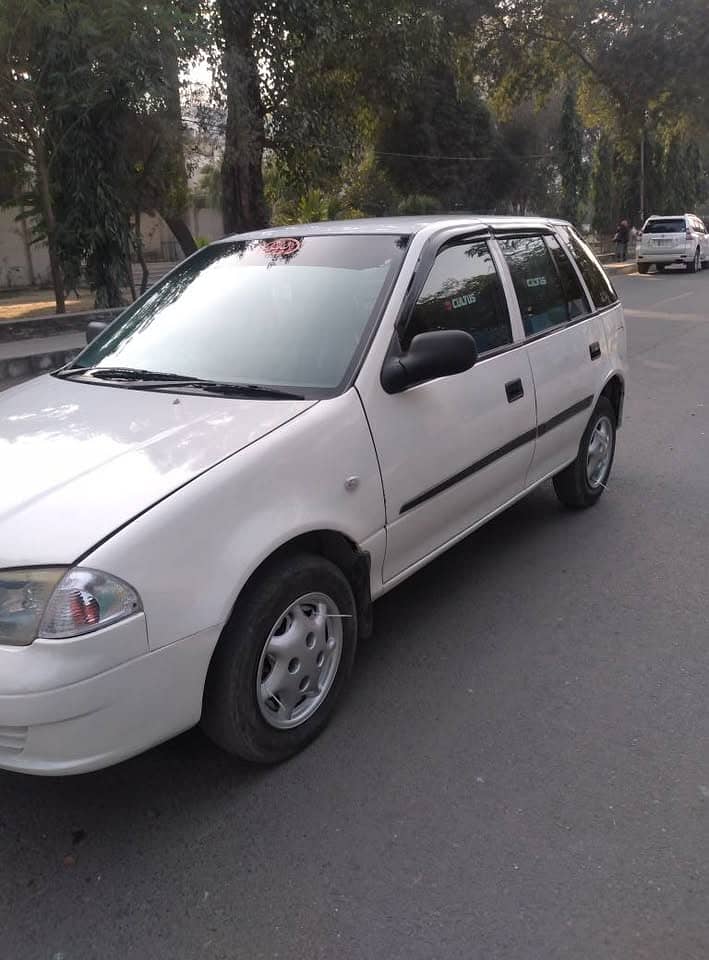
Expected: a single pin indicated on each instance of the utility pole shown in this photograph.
(642, 176)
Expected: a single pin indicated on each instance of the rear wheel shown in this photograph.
(582, 483)
(283, 660)
(696, 264)
(643, 267)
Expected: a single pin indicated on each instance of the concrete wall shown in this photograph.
(15, 270)
(158, 241)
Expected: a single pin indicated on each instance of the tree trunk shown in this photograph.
(174, 211)
(182, 233)
(50, 222)
(141, 255)
(243, 201)
(129, 268)
(26, 244)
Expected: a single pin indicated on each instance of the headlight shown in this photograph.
(54, 604)
(23, 596)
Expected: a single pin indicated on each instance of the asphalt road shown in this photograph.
(521, 769)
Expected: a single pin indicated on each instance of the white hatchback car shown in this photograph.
(664, 241)
(197, 512)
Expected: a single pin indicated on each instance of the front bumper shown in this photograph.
(74, 706)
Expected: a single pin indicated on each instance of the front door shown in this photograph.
(453, 450)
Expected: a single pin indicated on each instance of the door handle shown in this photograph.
(514, 390)
(595, 350)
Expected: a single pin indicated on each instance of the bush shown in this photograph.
(418, 203)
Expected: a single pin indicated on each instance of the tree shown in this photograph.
(572, 168)
(309, 79)
(24, 28)
(641, 65)
(184, 33)
(429, 137)
(244, 203)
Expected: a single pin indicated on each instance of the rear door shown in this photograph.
(665, 236)
(565, 341)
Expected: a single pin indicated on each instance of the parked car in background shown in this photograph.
(667, 240)
(197, 512)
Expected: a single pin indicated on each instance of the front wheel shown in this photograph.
(283, 660)
(643, 267)
(582, 483)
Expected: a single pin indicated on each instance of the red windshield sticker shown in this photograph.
(284, 247)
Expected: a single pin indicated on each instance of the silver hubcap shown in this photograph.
(299, 661)
(600, 448)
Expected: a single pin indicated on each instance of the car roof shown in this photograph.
(670, 216)
(395, 225)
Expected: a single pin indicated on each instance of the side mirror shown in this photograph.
(94, 327)
(440, 353)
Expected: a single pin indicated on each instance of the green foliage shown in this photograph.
(367, 187)
(427, 140)
(359, 108)
(313, 207)
(572, 169)
(418, 203)
(524, 178)
(208, 191)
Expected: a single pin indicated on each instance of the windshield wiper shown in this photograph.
(151, 380)
(124, 373)
(235, 389)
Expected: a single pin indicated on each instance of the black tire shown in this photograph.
(692, 266)
(660, 267)
(572, 485)
(643, 267)
(231, 716)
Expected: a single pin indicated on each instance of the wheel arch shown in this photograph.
(614, 390)
(333, 546)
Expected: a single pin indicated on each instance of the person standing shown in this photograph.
(622, 235)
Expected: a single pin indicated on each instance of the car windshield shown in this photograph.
(675, 225)
(286, 312)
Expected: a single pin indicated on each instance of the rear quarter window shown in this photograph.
(599, 286)
(542, 301)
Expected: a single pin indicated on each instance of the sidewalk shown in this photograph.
(22, 358)
(620, 268)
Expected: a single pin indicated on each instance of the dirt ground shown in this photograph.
(38, 303)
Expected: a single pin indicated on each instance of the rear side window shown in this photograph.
(673, 225)
(542, 301)
(575, 297)
(599, 285)
(463, 292)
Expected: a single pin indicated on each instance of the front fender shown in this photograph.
(190, 555)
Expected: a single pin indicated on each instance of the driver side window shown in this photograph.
(463, 292)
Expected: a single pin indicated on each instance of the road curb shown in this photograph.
(19, 368)
(620, 269)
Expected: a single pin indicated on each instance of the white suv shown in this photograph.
(197, 512)
(667, 240)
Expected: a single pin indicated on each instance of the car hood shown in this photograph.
(79, 460)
